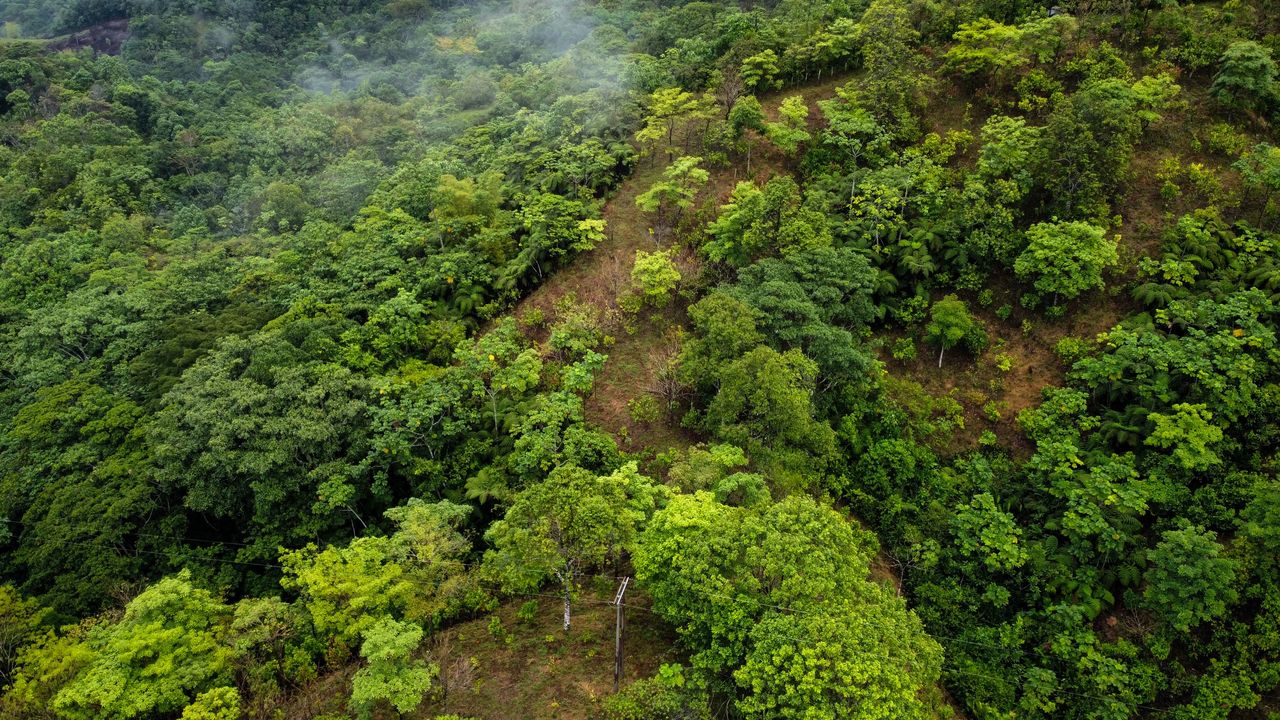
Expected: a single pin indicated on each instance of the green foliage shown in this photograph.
(1189, 580)
(667, 696)
(644, 409)
(791, 131)
(871, 659)
(674, 193)
(656, 276)
(568, 524)
(1066, 258)
(217, 704)
(391, 676)
(1247, 77)
(893, 82)
(1190, 433)
(21, 620)
(167, 648)
(760, 71)
(414, 572)
(949, 324)
(989, 534)
(987, 47)
(714, 570)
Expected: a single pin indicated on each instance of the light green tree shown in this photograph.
(1066, 258)
(221, 703)
(392, 675)
(792, 130)
(21, 619)
(845, 660)
(949, 323)
(656, 276)
(1190, 433)
(760, 71)
(746, 114)
(668, 108)
(168, 646)
(670, 196)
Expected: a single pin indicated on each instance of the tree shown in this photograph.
(893, 81)
(221, 703)
(859, 660)
(1190, 432)
(792, 131)
(669, 107)
(760, 71)
(949, 323)
(726, 328)
(757, 220)
(570, 522)
(656, 275)
(990, 534)
(746, 114)
(987, 47)
(392, 675)
(499, 367)
(1189, 581)
(852, 132)
(258, 425)
(21, 620)
(415, 573)
(168, 646)
(1247, 78)
(765, 403)
(675, 192)
(1066, 258)
(1260, 169)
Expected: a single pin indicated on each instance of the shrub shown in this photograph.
(644, 409)
(904, 349)
(665, 697)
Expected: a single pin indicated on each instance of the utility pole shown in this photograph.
(617, 633)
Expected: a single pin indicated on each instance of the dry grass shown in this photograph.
(533, 670)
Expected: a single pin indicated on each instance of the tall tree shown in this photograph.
(567, 524)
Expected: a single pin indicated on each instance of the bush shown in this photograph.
(644, 409)
(911, 311)
(665, 697)
(655, 275)
(992, 411)
(1071, 349)
(528, 612)
(975, 339)
(1004, 311)
(1228, 141)
(904, 349)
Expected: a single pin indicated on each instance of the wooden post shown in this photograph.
(617, 633)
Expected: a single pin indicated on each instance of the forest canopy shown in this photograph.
(899, 359)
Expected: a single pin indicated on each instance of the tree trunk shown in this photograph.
(944, 349)
(568, 585)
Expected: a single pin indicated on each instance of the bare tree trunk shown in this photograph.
(567, 586)
(944, 349)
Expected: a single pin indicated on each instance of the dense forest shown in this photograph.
(905, 358)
